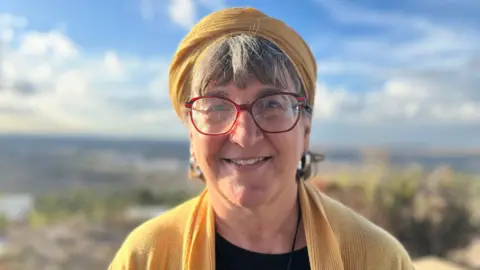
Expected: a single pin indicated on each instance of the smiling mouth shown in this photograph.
(244, 162)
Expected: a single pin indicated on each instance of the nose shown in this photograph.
(246, 133)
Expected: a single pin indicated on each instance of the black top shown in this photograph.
(231, 257)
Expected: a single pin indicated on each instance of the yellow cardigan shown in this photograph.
(337, 238)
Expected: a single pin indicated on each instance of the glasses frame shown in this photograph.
(301, 105)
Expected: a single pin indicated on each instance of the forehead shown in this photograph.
(253, 89)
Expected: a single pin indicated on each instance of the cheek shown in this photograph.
(206, 149)
(290, 142)
(289, 146)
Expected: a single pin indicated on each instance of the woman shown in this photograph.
(244, 84)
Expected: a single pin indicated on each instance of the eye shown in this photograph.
(272, 104)
(276, 102)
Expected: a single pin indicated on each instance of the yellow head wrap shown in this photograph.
(231, 21)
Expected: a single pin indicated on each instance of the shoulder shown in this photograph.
(372, 245)
(148, 245)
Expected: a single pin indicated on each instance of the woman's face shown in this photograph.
(220, 157)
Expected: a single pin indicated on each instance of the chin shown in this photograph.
(249, 196)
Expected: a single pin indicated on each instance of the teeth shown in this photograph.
(247, 161)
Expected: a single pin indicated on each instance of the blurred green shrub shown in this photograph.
(149, 197)
(4, 223)
(94, 205)
(56, 206)
(430, 213)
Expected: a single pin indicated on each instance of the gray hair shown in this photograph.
(241, 58)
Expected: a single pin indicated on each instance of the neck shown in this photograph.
(266, 229)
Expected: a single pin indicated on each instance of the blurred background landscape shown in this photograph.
(90, 146)
(69, 202)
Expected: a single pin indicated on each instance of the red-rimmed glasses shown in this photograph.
(272, 113)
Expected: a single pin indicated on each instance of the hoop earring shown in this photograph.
(194, 169)
(304, 166)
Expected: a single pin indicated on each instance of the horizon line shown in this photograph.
(412, 147)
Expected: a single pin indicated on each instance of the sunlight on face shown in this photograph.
(247, 165)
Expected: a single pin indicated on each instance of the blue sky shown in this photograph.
(389, 71)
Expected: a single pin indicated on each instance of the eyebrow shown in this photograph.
(269, 90)
(222, 92)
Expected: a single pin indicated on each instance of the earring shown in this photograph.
(304, 165)
(194, 171)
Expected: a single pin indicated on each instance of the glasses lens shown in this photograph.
(276, 113)
(213, 115)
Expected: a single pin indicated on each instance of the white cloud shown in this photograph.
(9, 22)
(156, 87)
(444, 98)
(406, 35)
(184, 13)
(53, 44)
(112, 64)
(422, 80)
(51, 85)
(424, 71)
